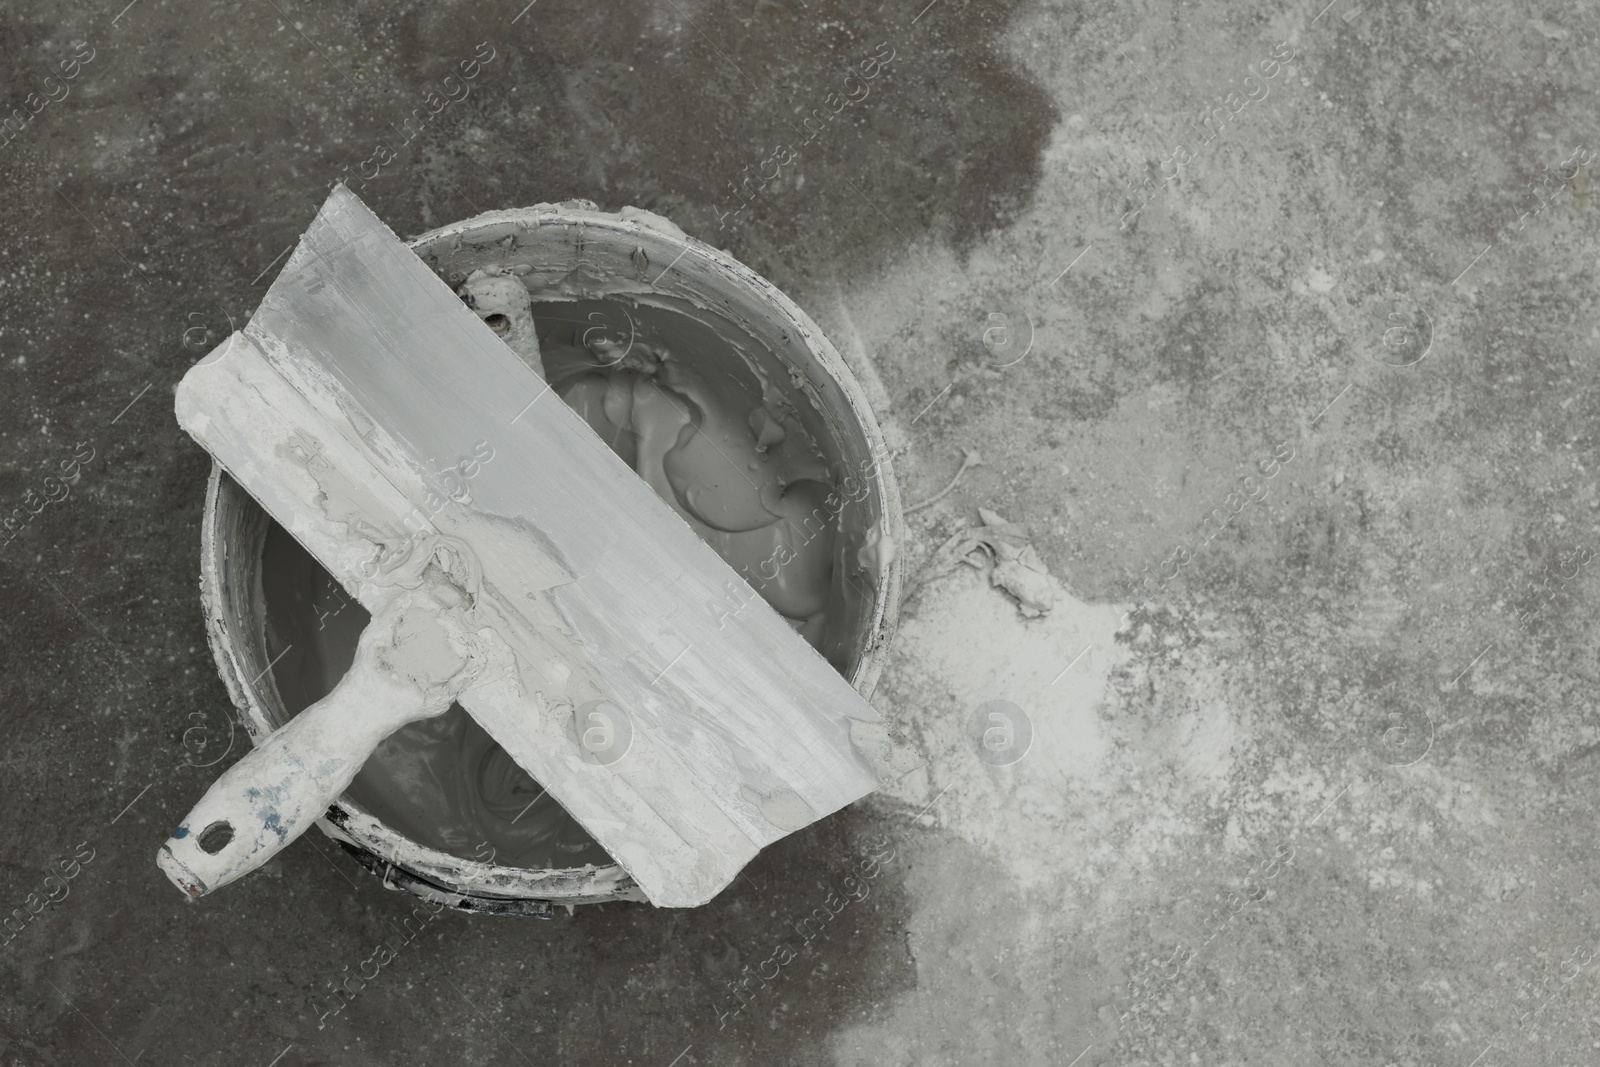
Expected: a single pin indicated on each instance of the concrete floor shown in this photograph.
(1311, 789)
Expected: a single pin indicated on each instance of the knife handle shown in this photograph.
(274, 794)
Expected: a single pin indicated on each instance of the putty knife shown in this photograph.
(565, 606)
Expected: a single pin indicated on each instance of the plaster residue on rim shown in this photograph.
(564, 252)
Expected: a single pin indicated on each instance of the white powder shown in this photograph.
(966, 645)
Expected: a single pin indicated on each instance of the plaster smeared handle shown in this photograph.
(274, 794)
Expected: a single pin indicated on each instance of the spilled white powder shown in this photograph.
(966, 645)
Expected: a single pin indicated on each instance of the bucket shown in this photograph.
(565, 254)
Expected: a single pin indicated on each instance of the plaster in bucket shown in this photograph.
(682, 359)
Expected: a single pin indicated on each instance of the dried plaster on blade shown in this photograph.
(545, 676)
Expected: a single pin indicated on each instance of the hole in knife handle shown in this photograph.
(215, 838)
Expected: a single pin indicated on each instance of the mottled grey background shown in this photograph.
(1358, 725)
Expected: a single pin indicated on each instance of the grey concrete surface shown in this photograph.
(1311, 782)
